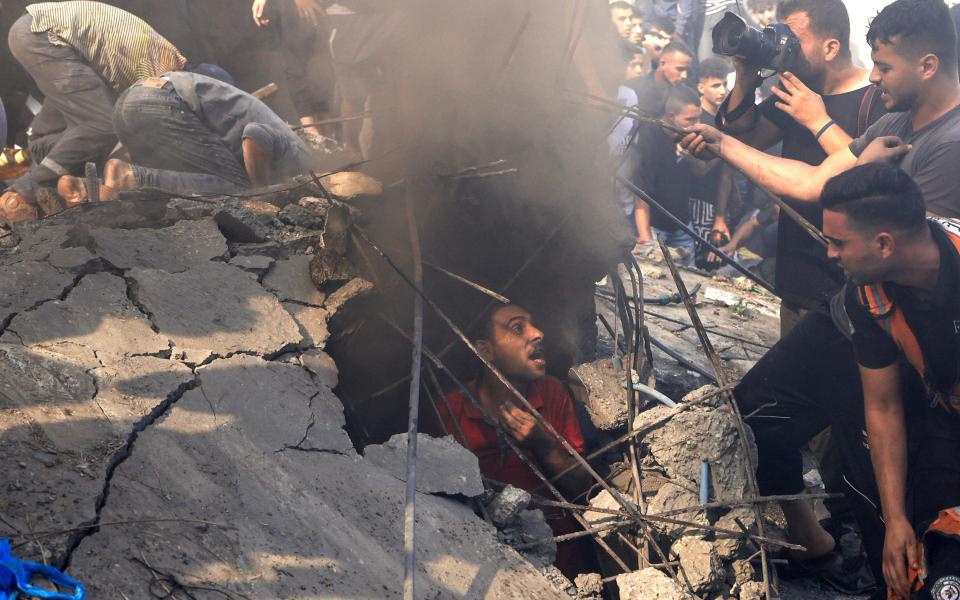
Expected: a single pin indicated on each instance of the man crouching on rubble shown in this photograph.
(901, 307)
(190, 134)
(512, 343)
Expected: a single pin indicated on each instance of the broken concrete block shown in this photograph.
(27, 283)
(742, 571)
(673, 496)
(254, 264)
(173, 249)
(752, 590)
(97, 314)
(215, 307)
(650, 584)
(531, 526)
(443, 465)
(589, 586)
(356, 288)
(729, 546)
(297, 215)
(507, 504)
(699, 562)
(290, 279)
(312, 321)
(322, 366)
(328, 266)
(707, 430)
(604, 500)
(606, 401)
(246, 221)
(559, 581)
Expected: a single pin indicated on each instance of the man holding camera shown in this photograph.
(810, 376)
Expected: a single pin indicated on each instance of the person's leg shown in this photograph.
(792, 394)
(77, 93)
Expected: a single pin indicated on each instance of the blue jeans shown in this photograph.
(171, 148)
(678, 239)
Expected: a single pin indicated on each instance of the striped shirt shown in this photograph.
(121, 47)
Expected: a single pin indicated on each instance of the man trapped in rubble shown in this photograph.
(192, 134)
(514, 345)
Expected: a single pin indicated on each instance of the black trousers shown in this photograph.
(76, 122)
(805, 383)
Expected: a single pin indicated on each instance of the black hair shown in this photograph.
(714, 68)
(680, 96)
(483, 330)
(677, 47)
(876, 197)
(620, 4)
(662, 23)
(828, 19)
(923, 25)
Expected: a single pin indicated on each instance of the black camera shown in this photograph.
(775, 47)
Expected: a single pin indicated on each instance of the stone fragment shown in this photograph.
(246, 221)
(173, 249)
(300, 216)
(603, 500)
(531, 526)
(672, 497)
(729, 546)
(347, 184)
(589, 586)
(752, 590)
(215, 307)
(706, 430)
(190, 209)
(328, 266)
(46, 459)
(312, 321)
(699, 562)
(254, 264)
(443, 465)
(742, 571)
(507, 504)
(354, 289)
(650, 584)
(606, 401)
(290, 279)
(97, 314)
(322, 366)
(559, 581)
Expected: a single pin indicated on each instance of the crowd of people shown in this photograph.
(867, 370)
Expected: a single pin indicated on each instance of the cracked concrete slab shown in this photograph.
(290, 280)
(443, 465)
(26, 284)
(97, 314)
(172, 249)
(312, 321)
(278, 524)
(216, 307)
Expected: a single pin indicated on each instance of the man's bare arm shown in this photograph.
(778, 176)
(883, 408)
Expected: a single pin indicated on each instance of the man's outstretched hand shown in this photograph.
(702, 141)
(885, 149)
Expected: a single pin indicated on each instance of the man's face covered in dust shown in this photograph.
(515, 345)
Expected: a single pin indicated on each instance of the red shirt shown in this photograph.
(497, 461)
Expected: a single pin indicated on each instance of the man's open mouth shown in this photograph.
(538, 355)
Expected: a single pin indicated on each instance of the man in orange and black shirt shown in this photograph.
(513, 344)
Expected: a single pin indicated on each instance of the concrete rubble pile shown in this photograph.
(168, 415)
(674, 443)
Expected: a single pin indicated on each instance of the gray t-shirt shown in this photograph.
(934, 161)
(235, 115)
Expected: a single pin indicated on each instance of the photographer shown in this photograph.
(915, 68)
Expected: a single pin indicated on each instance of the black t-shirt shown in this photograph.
(705, 188)
(805, 276)
(934, 320)
(659, 172)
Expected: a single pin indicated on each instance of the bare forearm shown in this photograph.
(834, 139)
(888, 451)
(641, 218)
(256, 162)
